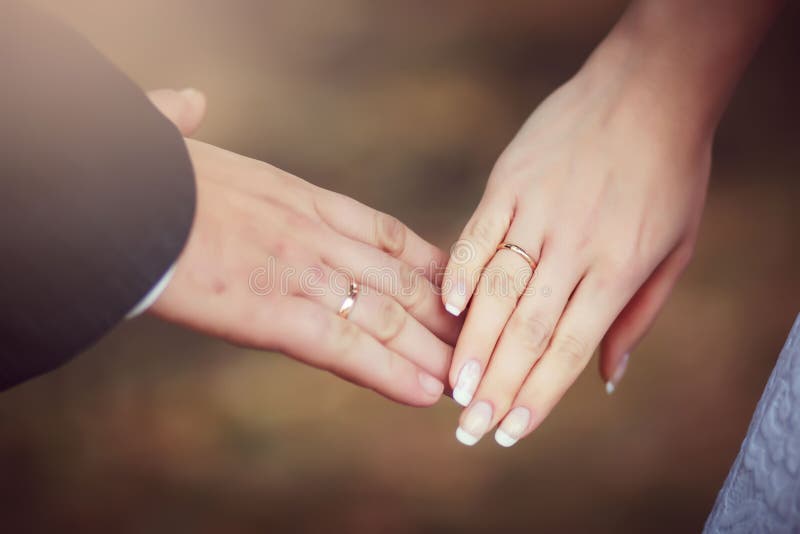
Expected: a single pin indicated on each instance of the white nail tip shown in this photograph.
(452, 310)
(465, 437)
(504, 439)
(462, 396)
(610, 387)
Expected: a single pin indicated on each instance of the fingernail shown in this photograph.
(513, 427)
(619, 372)
(430, 384)
(452, 309)
(467, 383)
(191, 94)
(456, 300)
(475, 424)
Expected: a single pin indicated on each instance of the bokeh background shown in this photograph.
(405, 106)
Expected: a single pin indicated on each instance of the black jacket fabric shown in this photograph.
(97, 194)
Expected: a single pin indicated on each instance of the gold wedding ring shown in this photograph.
(519, 251)
(349, 301)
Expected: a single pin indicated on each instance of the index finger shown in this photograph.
(372, 227)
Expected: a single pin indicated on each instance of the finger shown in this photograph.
(185, 109)
(589, 313)
(393, 277)
(523, 341)
(474, 249)
(499, 288)
(308, 332)
(639, 315)
(362, 223)
(327, 341)
(384, 319)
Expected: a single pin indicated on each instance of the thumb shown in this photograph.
(185, 109)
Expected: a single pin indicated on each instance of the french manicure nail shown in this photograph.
(452, 309)
(619, 372)
(513, 427)
(475, 423)
(467, 382)
(430, 384)
(457, 299)
(467, 439)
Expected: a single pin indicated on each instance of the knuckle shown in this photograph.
(483, 231)
(415, 301)
(532, 331)
(390, 234)
(408, 276)
(572, 350)
(414, 296)
(391, 321)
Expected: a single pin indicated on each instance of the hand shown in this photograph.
(269, 261)
(605, 193)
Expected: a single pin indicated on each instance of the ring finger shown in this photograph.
(386, 274)
(383, 318)
(524, 339)
(499, 288)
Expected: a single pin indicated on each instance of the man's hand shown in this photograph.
(269, 262)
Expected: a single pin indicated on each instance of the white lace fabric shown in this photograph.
(762, 491)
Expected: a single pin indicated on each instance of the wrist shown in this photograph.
(634, 100)
(652, 85)
(678, 62)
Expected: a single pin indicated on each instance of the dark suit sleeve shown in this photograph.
(97, 194)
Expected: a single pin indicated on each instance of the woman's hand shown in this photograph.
(604, 189)
(269, 262)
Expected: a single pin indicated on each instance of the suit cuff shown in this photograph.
(152, 295)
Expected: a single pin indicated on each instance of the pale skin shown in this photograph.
(604, 188)
(252, 217)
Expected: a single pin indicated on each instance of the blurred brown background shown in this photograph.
(405, 106)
